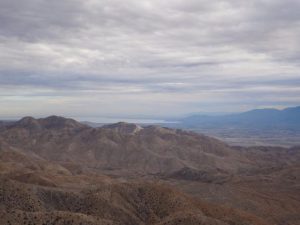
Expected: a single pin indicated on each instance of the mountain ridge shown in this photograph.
(256, 118)
(50, 122)
(151, 148)
(60, 172)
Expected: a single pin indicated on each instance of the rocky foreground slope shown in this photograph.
(34, 191)
(109, 202)
(59, 171)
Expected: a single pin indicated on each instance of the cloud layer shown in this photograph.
(147, 58)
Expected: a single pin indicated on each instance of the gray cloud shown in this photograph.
(182, 56)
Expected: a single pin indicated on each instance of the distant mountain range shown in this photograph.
(288, 118)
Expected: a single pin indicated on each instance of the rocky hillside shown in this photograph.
(44, 193)
(59, 171)
(149, 149)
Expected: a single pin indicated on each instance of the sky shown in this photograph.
(147, 59)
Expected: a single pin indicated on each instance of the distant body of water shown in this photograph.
(115, 120)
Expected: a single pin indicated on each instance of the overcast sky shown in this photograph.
(156, 58)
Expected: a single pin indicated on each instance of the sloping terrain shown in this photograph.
(270, 190)
(121, 146)
(59, 171)
(36, 191)
(93, 199)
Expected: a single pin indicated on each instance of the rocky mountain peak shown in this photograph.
(58, 122)
(28, 122)
(51, 122)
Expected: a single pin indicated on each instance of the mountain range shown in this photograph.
(150, 149)
(56, 170)
(257, 118)
(259, 127)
